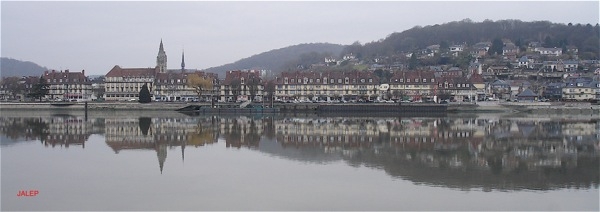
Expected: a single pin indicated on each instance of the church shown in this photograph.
(124, 84)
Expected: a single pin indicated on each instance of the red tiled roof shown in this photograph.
(67, 76)
(131, 72)
(238, 74)
(476, 79)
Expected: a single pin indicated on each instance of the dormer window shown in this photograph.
(416, 80)
(407, 80)
(424, 80)
(318, 80)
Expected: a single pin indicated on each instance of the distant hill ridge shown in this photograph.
(278, 59)
(583, 36)
(15, 68)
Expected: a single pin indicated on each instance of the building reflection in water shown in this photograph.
(160, 134)
(463, 153)
(53, 131)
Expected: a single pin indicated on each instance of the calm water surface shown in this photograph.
(173, 161)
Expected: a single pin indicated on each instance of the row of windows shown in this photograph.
(121, 95)
(339, 81)
(347, 80)
(61, 80)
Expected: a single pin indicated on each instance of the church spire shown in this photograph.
(161, 59)
(161, 49)
(182, 61)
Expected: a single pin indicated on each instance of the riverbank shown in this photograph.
(479, 107)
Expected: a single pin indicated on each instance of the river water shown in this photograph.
(172, 161)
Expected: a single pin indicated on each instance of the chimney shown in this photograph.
(83, 72)
(53, 70)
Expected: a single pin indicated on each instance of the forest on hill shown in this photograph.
(278, 59)
(466, 32)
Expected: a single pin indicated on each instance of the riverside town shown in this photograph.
(518, 75)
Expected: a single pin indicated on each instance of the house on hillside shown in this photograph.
(553, 91)
(580, 89)
(525, 62)
(500, 89)
(549, 51)
(527, 95)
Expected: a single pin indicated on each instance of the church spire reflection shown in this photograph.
(159, 134)
(501, 153)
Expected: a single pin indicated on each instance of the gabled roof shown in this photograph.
(500, 82)
(476, 79)
(524, 59)
(527, 93)
(132, 72)
(230, 76)
(66, 76)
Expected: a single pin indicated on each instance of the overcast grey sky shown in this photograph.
(95, 36)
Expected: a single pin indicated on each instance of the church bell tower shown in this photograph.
(161, 59)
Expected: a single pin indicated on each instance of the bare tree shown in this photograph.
(200, 84)
(13, 86)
